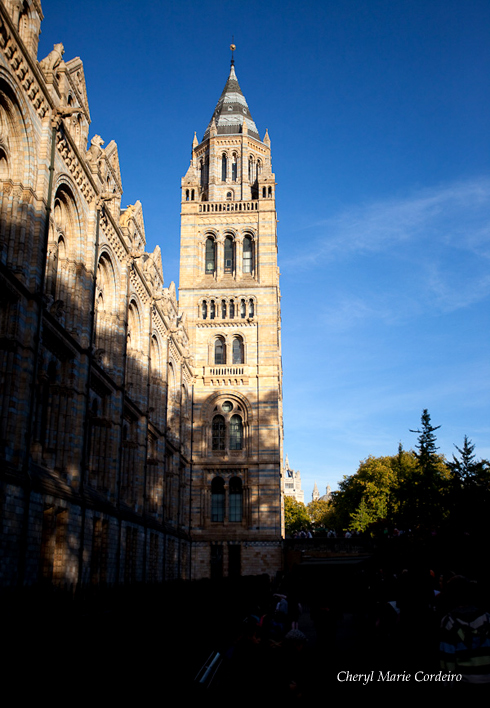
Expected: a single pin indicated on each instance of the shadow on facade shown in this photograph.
(95, 424)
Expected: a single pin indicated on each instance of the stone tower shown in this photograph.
(230, 298)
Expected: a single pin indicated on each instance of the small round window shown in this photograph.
(227, 406)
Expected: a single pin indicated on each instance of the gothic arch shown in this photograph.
(135, 357)
(105, 308)
(212, 401)
(226, 418)
(17, 178)
(210, 253)
(135, 325)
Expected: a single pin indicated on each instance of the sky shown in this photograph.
(378, 114)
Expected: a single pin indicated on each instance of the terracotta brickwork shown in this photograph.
(141, 437)
(229, 294)
(95, 377)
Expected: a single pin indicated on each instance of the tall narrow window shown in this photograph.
(204, 309)
(217, 499)
(218, 433)
(219, 351)
(243, 309)
(224, 165)
(232, 309)
(235, 500)
(247, 254)
(228, 255)
(212, 310)
(237, 350)
(236, 433)
(234, 168)
(223, 309)
(251, 309)
(210, 255)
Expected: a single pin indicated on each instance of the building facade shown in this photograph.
(95, 377)
(140, 437)
(229, 296)
(292, 483)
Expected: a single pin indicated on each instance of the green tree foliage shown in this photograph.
(372, 493)
(416, 488)
(296, 517)
(321, 513)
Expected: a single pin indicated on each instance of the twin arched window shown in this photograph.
(219, 437)
(227, 427)
(237, 351)
(235, 499)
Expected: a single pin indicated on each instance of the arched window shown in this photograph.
(232, 309)
(236, 433)
(235, 512)
(201, 170)
(204, 309)
(217, 499)
(243, 309)
(212, 310)
(229, 255)
(219, 351)
(224, 165)
(210, 256)
(247, 254)
(218, 433)
(238, 350)
(234, 168)
(250, 168)
(251, 308)
(4, 169)
(223, 309)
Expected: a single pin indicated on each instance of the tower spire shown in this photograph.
(232, 109)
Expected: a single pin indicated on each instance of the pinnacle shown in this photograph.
(232, 111)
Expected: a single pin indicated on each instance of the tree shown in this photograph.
(467, 470)
(320, 512)
(368, 495)
(433, 484)
(470, 492)
(296, 516)
(426, 442)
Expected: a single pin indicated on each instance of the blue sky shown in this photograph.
(378, 113)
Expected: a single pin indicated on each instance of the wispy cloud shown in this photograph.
(427, 253)
(457, 215)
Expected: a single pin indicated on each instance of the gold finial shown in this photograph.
(232, 47)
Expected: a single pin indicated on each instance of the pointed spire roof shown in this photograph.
(316, 493)
(232, 111)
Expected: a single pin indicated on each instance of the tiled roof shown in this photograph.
(232, 110)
